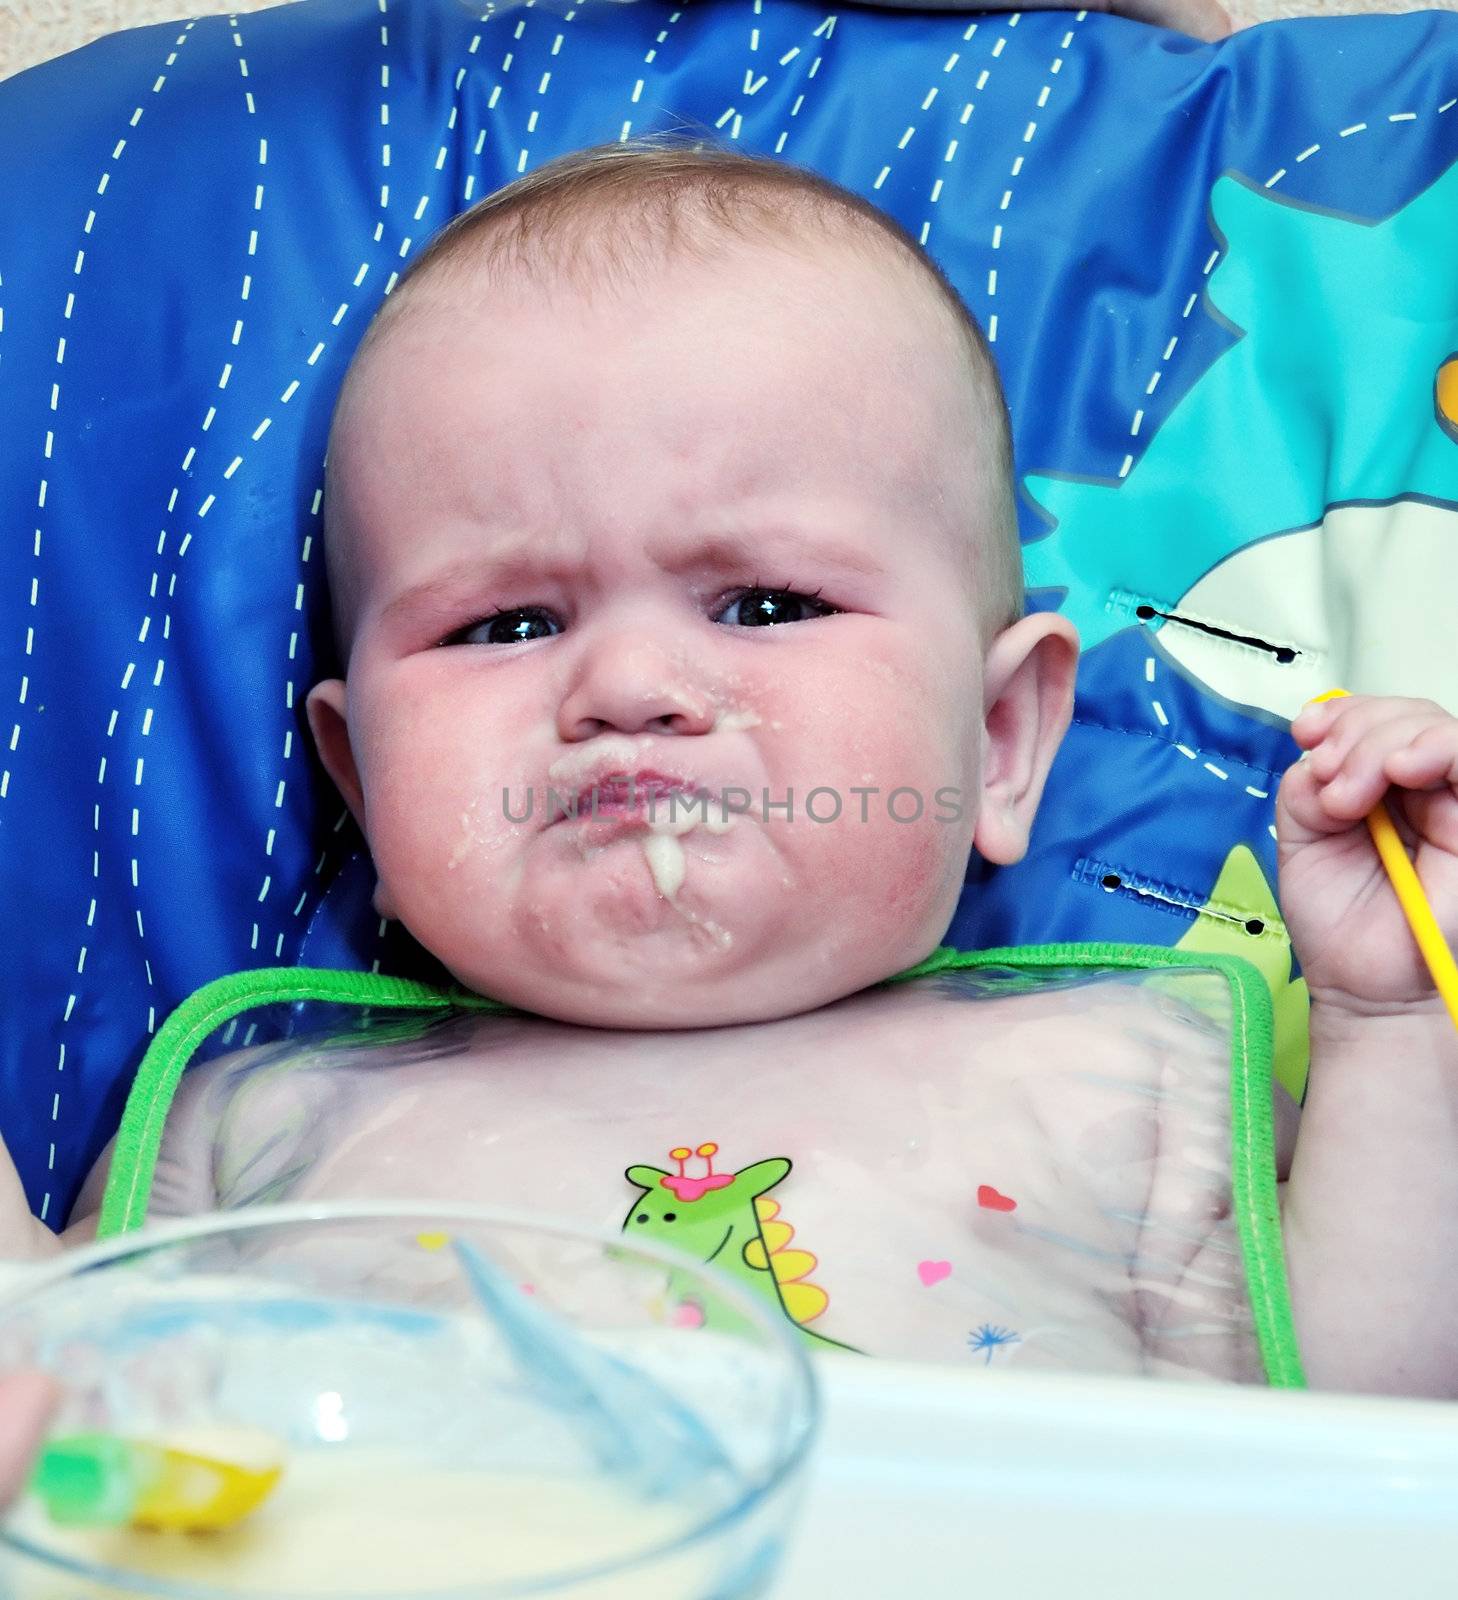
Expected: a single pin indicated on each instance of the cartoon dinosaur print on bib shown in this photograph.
(727, 1219)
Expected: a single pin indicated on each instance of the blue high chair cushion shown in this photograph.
(1221, 284)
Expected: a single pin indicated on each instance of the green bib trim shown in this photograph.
(1253, 1139)
(139, 1138)
(1253, 1163)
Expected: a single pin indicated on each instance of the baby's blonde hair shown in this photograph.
(606, 217)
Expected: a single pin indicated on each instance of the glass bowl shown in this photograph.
(467, 1402)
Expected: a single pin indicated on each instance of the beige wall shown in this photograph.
(34, 30)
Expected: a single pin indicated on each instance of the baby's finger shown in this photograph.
(1333, 748)
(1429, 760)
(1362, 708)
(1334, 726)
(26, 1402)
(1353, 785)
(1313, 720)
(1203, 19)
(1353, 719)
(1301, 818)
(1300, 793)
(1424, 818)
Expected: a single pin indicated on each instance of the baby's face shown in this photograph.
(603, 498)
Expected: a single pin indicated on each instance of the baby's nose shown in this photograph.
(628, 684)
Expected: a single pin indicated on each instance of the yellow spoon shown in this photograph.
(1411, 897)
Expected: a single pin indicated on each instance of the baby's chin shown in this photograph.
(623, 941)
(646, 999)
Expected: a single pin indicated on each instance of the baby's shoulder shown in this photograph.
(207, 1088)
(298, 1061)
(240, 1120)
(1126, 1026)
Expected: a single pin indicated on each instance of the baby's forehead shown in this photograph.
(814, 265)
(850, 326)
(855, 348)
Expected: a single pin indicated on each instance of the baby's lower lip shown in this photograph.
(631, 807)
(609, 822)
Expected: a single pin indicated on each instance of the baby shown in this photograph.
(673, 550)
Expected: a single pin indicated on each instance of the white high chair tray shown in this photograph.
(937, 1483)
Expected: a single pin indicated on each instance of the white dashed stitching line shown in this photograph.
(30, 633)
(949, 155)
(1346, 133)
(487, 15)
(947, 66)
(55, 404)
(299, 593)
(148, 709)
(1275, 178)
(384, 6)
(290, 687)
(1054, 68)
(1192, 755)
(751, 85)
(542, 83)
(287, 754)
(25, 676)
(825, 31)
(204, 507)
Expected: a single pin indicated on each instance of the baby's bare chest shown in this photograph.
(927, 1180)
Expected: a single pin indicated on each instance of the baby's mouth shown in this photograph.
(656, 809)
(637, 799)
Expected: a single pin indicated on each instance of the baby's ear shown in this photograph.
(328, 723)
(1028, 695)
(325, 707)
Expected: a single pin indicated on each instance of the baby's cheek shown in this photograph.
(924, 857)
(436, 804)
(878, 877)
(907, 861)
(907, 709)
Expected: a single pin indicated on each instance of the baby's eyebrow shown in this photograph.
(467, 579)
(774, 544)
(761, 554)
(435, 594)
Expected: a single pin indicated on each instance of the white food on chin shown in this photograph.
(668, 864)
(665, 861)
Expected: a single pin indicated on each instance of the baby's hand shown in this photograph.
(26, 1402)
(1204, 19)
(1348, 930)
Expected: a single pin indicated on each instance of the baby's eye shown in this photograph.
(765, 608)
(508, 627)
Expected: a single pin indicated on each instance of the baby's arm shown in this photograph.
(1204, 19)
(27, 1400)
(1371, 1211)
(1210, 1275)
(24, 1237)
(182, 1184)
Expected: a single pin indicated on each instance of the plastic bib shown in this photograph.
(1059, 1156)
